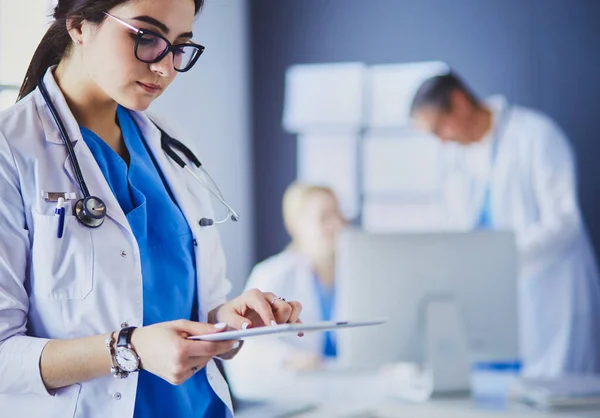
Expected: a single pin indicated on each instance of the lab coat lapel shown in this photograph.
(92, 175)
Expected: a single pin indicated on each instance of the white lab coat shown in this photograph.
(288, 275)
(90, 281)
(534, 192)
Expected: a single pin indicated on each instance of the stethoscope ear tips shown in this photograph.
(235, 218)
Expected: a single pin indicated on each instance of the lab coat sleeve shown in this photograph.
(19, 354)
(555, 190)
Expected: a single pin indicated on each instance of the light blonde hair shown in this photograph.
(294, 199)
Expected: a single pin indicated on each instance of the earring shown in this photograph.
(78, 42)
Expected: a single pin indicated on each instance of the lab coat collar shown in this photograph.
(498, 104)
(63, 110)
(93, 176)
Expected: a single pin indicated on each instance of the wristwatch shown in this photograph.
(125, 356)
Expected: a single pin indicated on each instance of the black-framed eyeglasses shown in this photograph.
(151, 47)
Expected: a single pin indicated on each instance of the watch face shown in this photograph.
(126, 359)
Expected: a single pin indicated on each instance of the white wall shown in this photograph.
(212, 103)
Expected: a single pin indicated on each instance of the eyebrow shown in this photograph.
(160, 25)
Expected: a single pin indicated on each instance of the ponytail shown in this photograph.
(49, 52)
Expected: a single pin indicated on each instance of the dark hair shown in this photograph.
(56, 43)
(435, 93)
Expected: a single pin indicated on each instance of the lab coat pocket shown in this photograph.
(61, 268)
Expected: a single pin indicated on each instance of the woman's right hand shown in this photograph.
(165, 351)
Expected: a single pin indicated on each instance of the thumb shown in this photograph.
(199, 328)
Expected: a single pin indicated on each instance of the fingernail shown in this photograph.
(273, 323)
(220, 325)
(245, 325)
(235, 345)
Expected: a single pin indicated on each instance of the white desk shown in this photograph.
(438, 409)
(462, 408)
(367, 395)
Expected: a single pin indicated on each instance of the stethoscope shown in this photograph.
(91, 210)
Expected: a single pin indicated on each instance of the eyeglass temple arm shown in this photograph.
(122, 22)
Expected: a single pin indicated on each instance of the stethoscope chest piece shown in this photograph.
(90, 211)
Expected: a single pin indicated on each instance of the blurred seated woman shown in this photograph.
(303, 271)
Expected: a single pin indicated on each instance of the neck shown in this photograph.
(324, 265)
(482, 123)
(326, 273)
(91, 107)
(323, 262)
(88, 105)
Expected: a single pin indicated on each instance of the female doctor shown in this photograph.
(303, 271)
(509, 167)
(107, 257)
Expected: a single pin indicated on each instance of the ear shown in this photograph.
(460, 102)
(75, 31)
(290, 228)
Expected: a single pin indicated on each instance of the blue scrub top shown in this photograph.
(168, 265)
(485, 217)
(326, 303)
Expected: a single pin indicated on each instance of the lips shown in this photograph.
(150, 87)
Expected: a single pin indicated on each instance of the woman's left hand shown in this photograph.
(254, 308)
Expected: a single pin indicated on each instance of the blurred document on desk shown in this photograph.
(324, 95)
(566, 392)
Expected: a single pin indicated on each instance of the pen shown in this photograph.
(60, 211)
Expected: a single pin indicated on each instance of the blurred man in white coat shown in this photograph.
(508, 167)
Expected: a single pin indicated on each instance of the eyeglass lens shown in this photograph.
(150, 47)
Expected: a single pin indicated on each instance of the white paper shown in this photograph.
(392, 88)
(331, 160)
(401, 165)
(324, 95)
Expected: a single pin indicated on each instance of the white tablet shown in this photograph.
(285, 328)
